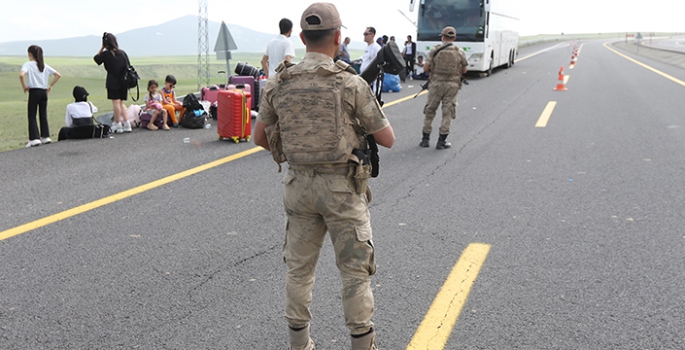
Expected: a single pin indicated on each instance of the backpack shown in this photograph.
(194, 119)
(191, 102)
(195, 115)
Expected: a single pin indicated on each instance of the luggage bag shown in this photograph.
(247, 80)
(146, 117)
(210, 93)
(233, 116)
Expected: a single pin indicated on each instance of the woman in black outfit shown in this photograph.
(116, 63)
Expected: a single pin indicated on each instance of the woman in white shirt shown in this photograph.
(80, 112)
(38, 73)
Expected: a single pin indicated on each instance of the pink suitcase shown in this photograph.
(210, 93)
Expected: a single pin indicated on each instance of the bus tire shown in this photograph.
(489, 71)
(509, 61)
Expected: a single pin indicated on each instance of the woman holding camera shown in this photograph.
(116, 63)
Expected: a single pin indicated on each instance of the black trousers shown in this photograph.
(38, 102)
(409, 62)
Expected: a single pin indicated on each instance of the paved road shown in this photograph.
(583, 219)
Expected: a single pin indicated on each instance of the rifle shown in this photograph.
(425, 86)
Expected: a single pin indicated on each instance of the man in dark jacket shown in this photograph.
(410, 55)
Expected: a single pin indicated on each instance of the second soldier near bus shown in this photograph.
(446, 64)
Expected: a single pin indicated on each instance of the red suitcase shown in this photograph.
(233, 115)
(246, 80)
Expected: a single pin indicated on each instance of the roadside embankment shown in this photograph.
(675, 58)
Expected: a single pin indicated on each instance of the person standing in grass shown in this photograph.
(116, 63)
(37, 73)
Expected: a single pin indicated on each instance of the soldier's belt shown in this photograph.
(341, 171)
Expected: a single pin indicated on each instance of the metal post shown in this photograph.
(202, 45)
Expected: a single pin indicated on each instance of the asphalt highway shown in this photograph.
(554, 222)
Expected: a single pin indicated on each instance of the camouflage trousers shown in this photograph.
(316, 203)
(445, 93)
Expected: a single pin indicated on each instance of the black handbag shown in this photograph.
(92, 129)
(131, 78)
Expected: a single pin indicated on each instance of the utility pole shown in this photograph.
(202, 45)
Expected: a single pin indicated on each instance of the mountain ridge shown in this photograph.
(177, 37)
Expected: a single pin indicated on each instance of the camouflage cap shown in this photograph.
(320, 16)
(449, 32)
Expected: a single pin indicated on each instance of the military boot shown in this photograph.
(424, 141)
(366, 342)
(442, 144)
(300, 340)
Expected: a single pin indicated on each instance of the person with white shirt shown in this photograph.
(372, 48)
(80, 112)
(370, 52)
(409, 55)
(37, 73)
(279, 49)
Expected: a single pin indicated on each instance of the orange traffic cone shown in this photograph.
(560, 85)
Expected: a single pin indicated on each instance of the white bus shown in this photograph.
(485, 30)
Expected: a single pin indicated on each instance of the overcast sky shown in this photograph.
(56, 19)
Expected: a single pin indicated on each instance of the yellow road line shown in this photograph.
(121, 195)
(403, 99)
(675, 80)
(436, 327)
(136, 190)
(546, 113)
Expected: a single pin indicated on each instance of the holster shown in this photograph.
(361, 178)
(361, 173)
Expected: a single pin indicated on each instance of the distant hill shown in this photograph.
(154, 41)
(173, 38)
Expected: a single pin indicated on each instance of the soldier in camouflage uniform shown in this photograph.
(446, 64)
(313, 115)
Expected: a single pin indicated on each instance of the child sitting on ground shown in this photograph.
(169, 102)
(81, 111)
(153, 106)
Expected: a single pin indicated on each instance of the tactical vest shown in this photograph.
(314, 125)
(445, 64)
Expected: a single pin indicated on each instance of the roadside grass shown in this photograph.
(84, 72)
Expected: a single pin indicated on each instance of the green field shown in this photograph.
(83, 71)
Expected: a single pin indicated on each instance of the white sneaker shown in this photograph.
(45, 140)
(33, 143)
(117, 128)
(127, 127)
